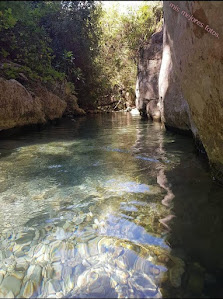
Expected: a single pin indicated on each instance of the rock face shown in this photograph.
(153, 110)
(148, 74)
(19, 107)
(52, 106)
(190, 78)
(191, 72)
(72, 108)
(173, 106)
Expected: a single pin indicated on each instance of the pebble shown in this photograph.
(82, 250)
(59, 295)
(57, 268)
(55, 252)
(11, 283)
(30, 271)
(39, 250)
(49, 227)
(93, 246)
(78, 220)
(53, 286)
(68, 283)
(73, 262)
(113, 282)
(70, 249)
(18, 274)
(36, 276)
(37, 235)
(9, 295)
(121, 263)
(1, 277)
(85, 263)
(66, 225)
(82, 279)
(31, 251)
(28, 290)
(154, 270)
(26, 238)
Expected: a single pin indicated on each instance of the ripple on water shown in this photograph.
(73, 230)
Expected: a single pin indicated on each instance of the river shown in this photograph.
(108, 206)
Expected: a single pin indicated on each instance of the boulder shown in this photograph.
(19, 107)
(52, 106)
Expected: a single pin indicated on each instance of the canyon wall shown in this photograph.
(190, 85)
(147, 94)
(194, 32)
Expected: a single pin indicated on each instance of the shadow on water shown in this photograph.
(194, 223)
(197, 229)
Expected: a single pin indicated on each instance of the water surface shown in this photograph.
(108, 206)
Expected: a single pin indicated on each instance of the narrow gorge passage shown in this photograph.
(111, 149)
(107, 207)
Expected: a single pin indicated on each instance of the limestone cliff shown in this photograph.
(193, 59)
(191, 74)
(147, 78)
(173, 106)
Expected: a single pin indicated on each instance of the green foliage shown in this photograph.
(53, 40)
(122, 37)
(139, 25)
(76, 42)
(6, 19)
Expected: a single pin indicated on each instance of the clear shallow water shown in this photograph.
(108, 206)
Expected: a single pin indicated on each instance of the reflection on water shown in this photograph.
(108, 206)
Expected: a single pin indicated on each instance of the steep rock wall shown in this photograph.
(173, 106)
(148, 74)
(195, 72)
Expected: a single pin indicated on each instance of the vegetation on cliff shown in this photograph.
(93, 50)
(51, 41)
(124, 34)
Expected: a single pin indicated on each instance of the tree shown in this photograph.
(122, 37)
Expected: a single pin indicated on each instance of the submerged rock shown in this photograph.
(28, 289)
(11, 283)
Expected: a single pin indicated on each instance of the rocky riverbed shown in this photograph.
(92, 208)
(76, 258)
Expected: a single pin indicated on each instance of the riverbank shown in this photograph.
(31, 103)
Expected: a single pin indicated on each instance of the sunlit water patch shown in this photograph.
(86, 210)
